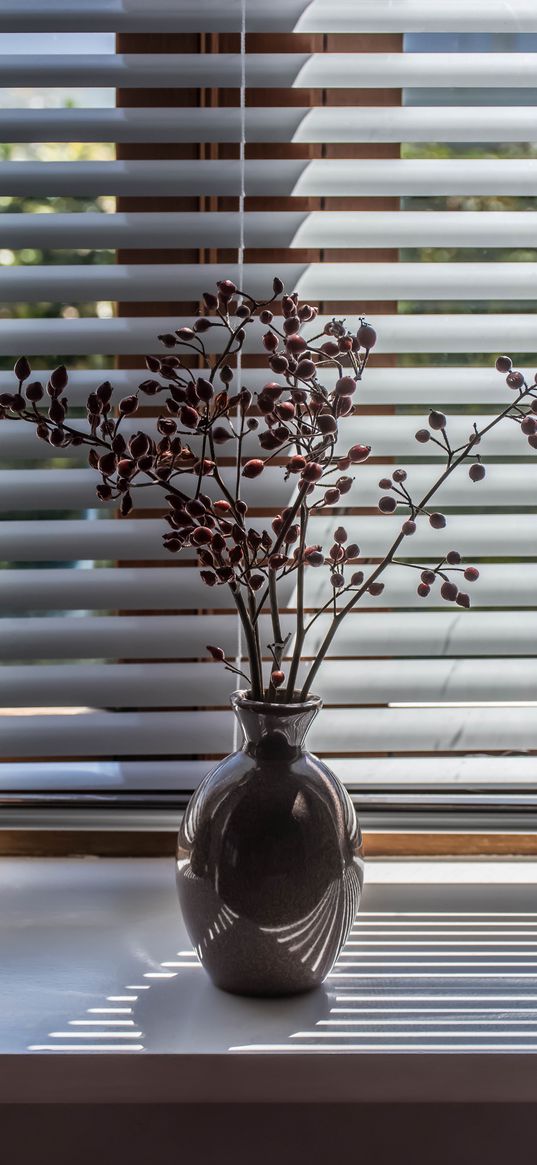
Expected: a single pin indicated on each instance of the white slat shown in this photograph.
(122, 637)
(392, 436)
(74, 489)
(330, 16)
(295, 124)
(268, 70)
(455, 384)
(449, 633)
(191, 685)
(314, 281)
(292, 229)
(137, 336)
(131, 734)
(52, 488)
(104, 734)
(318, 178)
(359, 773)
(138, 539)
(163, 589)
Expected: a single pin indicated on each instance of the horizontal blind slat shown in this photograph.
(180, 733)
(447, 634)
(49, 489)
(137, 539)
(190, 685)
(337, 178)
(137, 336)
(164, 588)
(283, 229)
(294, 124)
(359, 773)
(395, 438)
(456, 384)
(271, 71)
(305, 16)
(331, 281)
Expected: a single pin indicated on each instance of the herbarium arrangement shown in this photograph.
(268, 891)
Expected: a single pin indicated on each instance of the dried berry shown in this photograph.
(344, 406)
(204, 389)
(312, 472)
(423, 590)
(471, 574)
(296, 464)
(217, 652)
(376, 588)
(253, 467)
(150, 387)
(277, 678)
(449, 591)
(226, 288)
(313, 556)
(515, 380)
(366, 336)
(359, 453)
(463, 599)
(23, 370)
(332, 496)
(270, 342)
(128, 405)
(387, 505)
(477, 471)
(453, 557)
(345, 386)
(437, 521)
(221, 435)
(504, 363)
(327, 424)
(437, 420)
(408, 527)
(423, 435)
(296, 345)
(400, 475)
(189, 417)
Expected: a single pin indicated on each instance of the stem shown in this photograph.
(274, 609)
(299, 639)
(253, 655)
(255, 626)
(281, 536)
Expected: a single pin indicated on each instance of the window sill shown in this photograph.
(79, 935)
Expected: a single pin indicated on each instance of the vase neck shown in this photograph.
(261, 722)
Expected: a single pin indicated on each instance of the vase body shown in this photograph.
(269, 859)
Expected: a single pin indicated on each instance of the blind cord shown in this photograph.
(240, 265)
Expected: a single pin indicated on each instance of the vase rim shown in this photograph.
(241, 699)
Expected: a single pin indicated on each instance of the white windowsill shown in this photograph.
(433, 1015)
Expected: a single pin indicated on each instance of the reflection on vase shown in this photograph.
(269, 860)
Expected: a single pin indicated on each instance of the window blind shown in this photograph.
(390, 168)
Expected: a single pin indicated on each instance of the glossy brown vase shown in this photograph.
(269, 858)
